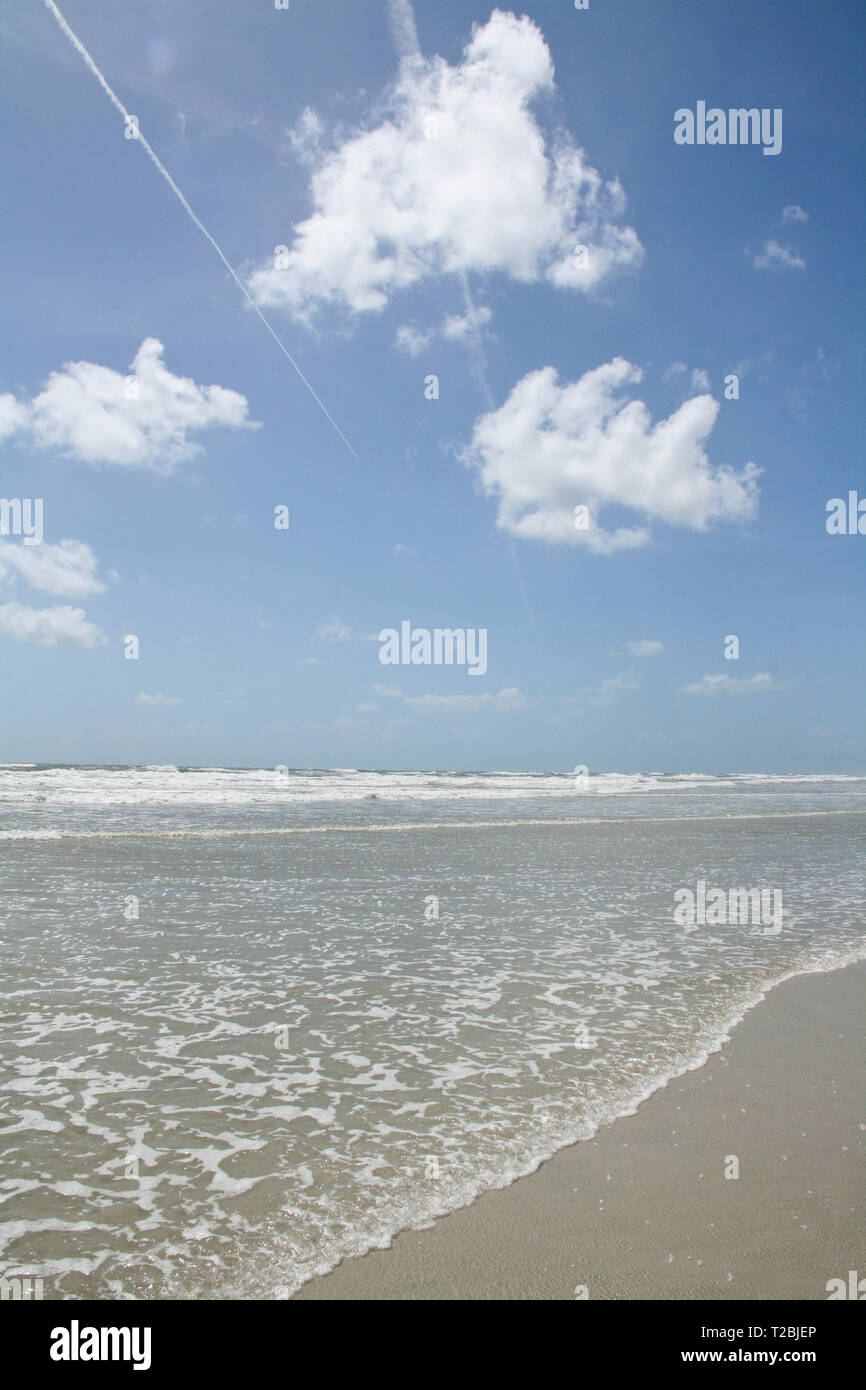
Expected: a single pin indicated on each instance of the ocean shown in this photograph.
(254, 1022)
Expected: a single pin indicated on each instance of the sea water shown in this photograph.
(255, 1021)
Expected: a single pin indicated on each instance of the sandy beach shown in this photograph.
(644, 1210)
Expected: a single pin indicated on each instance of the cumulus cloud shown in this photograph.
(157, 701)
(14, 416)
(510, 699)
(144, 420)
(550, 449)
(67, 569)
(794, 213)
(644, 647)
(777, 257)
(47, 627)
(761, 684)
(457, 177)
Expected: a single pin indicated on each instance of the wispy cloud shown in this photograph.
(605, 692)
(412, 340)
(645, 646)
(762, 684)
(401, 17)
(157, 701)
(388, 692)
(334, 630)
(510, 699)
(458, 327)
(777, 257)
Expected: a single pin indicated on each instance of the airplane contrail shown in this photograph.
(115, 100)
(478, 367)
(404, 32)
(403, 28)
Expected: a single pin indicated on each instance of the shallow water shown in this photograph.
(286, 1056)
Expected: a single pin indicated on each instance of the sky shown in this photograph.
(440, 292)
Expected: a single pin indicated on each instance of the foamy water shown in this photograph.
(239, 1043)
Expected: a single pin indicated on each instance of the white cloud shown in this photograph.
(735, 685)
(47, 627)
(94, 414)
(157, 701)
(393, 208)
(411, 340)
(644, 647)
(455, 328)
(700, 380)
(777, 257)
(388, 692)
(401, 549)
(307, 137)
(551, 448)
(67, 569)
(402, 23)
(14, 416)
(334, 630)
(459, 327)
(793, 213)
(606, 691)
(511, 699)
(626, 681)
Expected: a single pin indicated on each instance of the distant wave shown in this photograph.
(23, 784)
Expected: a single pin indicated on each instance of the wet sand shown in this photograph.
(644, 1210)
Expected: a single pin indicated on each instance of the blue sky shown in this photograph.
(419, 250)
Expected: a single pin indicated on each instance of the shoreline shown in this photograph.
(643, 1210)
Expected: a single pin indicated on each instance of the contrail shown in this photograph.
(475, 343)
(478, 367)
(403, 29)
(404, 32)
(527, 604)
(115, 100)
